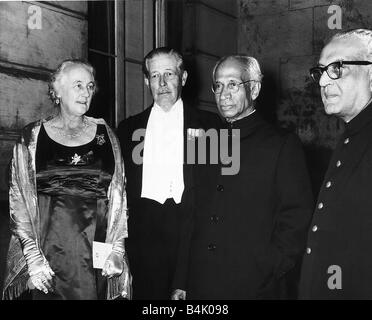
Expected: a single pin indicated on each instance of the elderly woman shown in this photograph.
(66, 193)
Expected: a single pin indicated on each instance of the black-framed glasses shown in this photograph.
(334, 69)
(232, 86)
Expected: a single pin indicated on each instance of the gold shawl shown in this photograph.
(25, 216)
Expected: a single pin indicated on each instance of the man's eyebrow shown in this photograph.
(345, 58)
(323, 65)
(167, 69)
(348, 58)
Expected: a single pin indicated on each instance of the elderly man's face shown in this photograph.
(347, 96)
(233, 105)
(165, 81)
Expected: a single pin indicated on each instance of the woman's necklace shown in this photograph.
(76, 134)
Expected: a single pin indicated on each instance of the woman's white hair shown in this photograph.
(58, 73)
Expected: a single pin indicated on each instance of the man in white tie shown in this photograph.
(159, 182)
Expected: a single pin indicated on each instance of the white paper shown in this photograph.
(101, 251)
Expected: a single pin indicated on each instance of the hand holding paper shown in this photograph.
(114, 265)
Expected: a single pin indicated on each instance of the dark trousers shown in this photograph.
(152, 247)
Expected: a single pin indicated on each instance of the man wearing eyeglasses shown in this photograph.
(250, 228)
(338, 261)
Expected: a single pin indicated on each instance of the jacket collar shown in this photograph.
(190, 117)
(360, 121)
(247, 125)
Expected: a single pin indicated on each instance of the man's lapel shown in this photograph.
(190, 120)
(142, 124)
(145, 117)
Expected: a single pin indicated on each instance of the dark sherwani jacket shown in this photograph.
(250, 228)
(340, 237)
(149, 243)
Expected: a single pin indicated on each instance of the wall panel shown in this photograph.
(223, 6)
(215, 32)
(60, 37)
(22, 101)
(78, 6)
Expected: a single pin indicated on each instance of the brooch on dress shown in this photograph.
(85, 159)
(100, 139)
(75, 159)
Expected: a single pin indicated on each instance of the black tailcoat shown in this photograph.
(156, 252)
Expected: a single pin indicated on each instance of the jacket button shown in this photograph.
(211, 247)
(338, 163)
(308, 250)
(215, 218)
(320, 205)
(220, 187)
(346, 141)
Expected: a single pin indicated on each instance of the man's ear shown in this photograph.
(256, 90)
(147, 81)
(184, 77)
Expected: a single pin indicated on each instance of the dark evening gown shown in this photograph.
(72, 185)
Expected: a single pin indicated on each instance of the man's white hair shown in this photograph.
(364, 35)
(249, 65)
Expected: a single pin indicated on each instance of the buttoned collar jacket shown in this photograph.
(250, 228)
(338, 261)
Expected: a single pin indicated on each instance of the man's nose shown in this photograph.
(85, 92)
(162, 81)
(225, 93)
(324, 79)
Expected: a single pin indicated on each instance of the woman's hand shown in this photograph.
(41, 275)
(42, 279)
(114, 265)
(178, 294)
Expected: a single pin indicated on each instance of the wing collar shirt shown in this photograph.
(162, 176)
